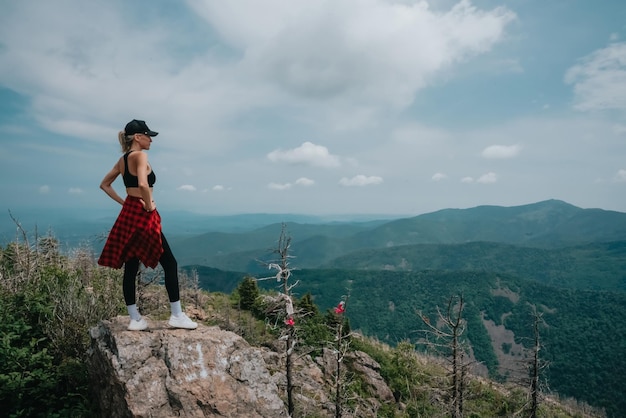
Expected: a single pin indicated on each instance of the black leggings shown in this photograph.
(170, 268)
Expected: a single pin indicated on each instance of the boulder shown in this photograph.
(370, 370)
(164, 372)
(355, 365)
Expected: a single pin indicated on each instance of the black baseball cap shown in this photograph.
(138, 127)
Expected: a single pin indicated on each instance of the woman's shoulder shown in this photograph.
(137, 156)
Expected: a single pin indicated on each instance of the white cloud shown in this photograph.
(620, 176)
(187, 188)
(218, 188)
(371, 50)
(279, 186)
(467, 180)
(599, 79)
(45, 189)
(362, 54)
(360, 180)
(303, 181)
(488, 178)
(75, 190)
(439, 176)
(501, 151)
(307, 153)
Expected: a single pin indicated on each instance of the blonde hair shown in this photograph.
(125, 140)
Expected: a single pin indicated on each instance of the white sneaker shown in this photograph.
(182, 321)
(137, 325)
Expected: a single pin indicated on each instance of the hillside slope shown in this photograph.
(596, 266)
(581, 337)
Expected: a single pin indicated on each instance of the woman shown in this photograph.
(136, 235)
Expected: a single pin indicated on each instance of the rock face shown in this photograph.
(370, 370)
(369, 373)
(163, 372)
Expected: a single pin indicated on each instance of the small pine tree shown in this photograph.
(248, 293)
(307, 306)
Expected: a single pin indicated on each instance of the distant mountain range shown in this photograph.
(413, 243)
(551, 241)
(80, 226)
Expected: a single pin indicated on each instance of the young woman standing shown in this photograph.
(136, 235)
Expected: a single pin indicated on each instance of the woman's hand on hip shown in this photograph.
(148, 208)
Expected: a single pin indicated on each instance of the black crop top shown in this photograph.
(133, 181)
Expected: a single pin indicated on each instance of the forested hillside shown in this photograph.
(583, 334)
(596, 266)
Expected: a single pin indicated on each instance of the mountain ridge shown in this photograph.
(547, 224)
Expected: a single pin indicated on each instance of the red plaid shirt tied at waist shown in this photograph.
(136, 233)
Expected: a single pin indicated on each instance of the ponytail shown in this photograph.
(125, 140)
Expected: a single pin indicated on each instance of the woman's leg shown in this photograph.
(170, 269)
(131, 267)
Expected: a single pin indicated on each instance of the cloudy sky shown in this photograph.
(317, 107)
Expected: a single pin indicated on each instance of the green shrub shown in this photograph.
(32, 382)
(47, 304)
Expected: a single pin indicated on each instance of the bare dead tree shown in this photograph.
(536, 364)
(144, 279)
(190, 283)
(529, 369)
(20, 257)
(288, 333)
(448, 343)
(341, 348)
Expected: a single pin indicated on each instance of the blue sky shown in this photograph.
(317, 107)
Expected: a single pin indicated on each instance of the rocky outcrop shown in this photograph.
(315, 383)
(370, 371)
(210, 372)
(364, 368)
(165, 372)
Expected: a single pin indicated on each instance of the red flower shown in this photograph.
(290, 322)
(341, 308)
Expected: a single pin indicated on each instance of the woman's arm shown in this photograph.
(141, 159)
(108, 180)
